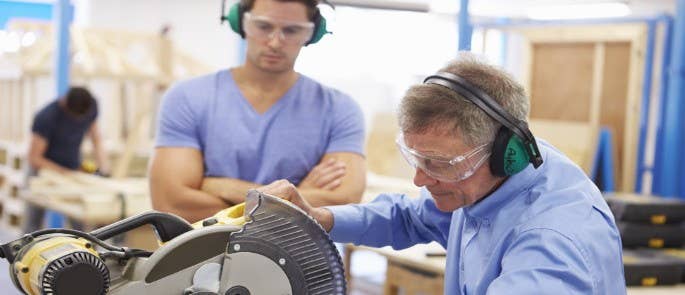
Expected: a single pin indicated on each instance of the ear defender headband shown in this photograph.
(235, 19)
(514, 145)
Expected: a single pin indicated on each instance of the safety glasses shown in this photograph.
(444, 169)
(265, 28)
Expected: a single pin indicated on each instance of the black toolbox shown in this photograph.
(634, 235)
(646, 209)
(648, 267)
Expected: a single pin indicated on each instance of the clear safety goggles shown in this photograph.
(265, 28)
(444, 169)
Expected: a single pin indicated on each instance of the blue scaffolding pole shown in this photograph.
(62, 15)
(669, 169)
(465, 27)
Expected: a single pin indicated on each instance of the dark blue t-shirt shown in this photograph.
(63, 132)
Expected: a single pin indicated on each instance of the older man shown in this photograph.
(509, 227)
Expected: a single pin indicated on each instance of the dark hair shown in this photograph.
(79, 101)
(310, 4)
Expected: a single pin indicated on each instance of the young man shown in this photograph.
(508, 227)
(223, 134)
(58, 130)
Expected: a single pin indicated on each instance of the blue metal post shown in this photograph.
(660, 132)
(671, 174)
(61, 20)
(465, 28)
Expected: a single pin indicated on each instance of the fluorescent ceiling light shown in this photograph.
(579, 11)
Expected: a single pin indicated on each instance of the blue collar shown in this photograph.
(510, 189)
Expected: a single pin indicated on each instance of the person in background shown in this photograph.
(508, 227)
(57, 133)
(222, 134)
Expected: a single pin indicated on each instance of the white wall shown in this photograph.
(375, 55)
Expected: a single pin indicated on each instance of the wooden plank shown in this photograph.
(580, 33)
(141, 124)
(614, 100)
(597, 83)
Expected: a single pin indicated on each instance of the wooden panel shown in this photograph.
(561, 81)
(614, 97)
(563, 72)
(577, 140)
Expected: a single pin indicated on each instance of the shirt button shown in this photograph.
(486, 222)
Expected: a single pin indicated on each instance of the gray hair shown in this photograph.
(433, 107)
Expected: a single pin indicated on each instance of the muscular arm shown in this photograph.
(175, 181)
(37, 157)
(98, 149)
(350, 189)
(231, 190)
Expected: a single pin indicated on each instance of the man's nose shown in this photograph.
(276, 38)
(423, 179)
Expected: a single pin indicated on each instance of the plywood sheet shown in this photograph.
(561, 81)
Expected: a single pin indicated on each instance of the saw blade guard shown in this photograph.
(294, 241)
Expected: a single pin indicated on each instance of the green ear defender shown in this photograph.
(235, 19)
(509, 155)
(514, 146)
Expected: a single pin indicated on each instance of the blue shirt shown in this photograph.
(544, 231)
(63, 133)
(210, 114)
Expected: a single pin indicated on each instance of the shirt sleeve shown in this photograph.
(43, 125)
(543, 261)
(347, 133)
(394, 220)
(177, 123)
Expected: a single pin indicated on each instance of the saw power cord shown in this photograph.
(127, 252)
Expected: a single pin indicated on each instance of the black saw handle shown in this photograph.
(167, 226)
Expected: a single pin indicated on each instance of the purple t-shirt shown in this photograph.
(210, 113)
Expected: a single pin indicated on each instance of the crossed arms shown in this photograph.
(178, 185)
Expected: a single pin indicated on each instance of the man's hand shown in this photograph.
(287, 191)
(327, 175)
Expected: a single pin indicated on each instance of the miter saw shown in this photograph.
(264, 246)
